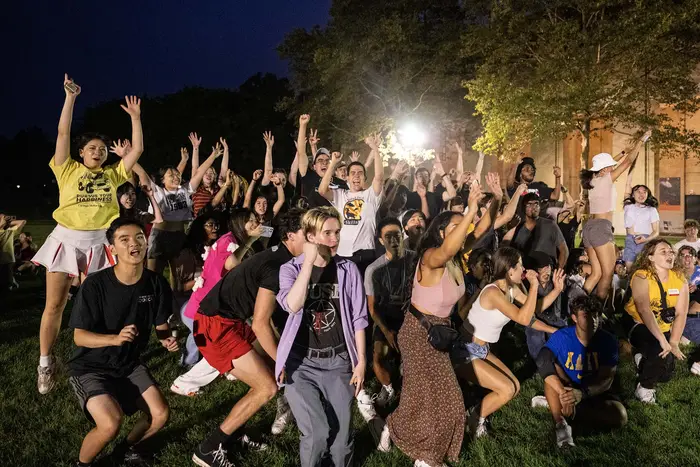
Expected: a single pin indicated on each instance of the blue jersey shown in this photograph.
(581, 363)
(695, 278)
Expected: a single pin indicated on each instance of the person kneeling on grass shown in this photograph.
(112, 316)
(578, 365)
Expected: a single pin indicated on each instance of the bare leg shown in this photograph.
(606, 257)
(155, 415)
(594, 277)
(494, 375)
(57, 287)
(108, 418)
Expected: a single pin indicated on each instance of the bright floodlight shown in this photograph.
(411, 136)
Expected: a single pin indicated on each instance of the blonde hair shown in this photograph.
(643, 263)
(313, 220)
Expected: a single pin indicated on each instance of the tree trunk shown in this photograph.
(586, 147)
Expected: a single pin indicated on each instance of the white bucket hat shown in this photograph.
(601, 161)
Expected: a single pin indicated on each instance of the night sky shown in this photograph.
(136, 47)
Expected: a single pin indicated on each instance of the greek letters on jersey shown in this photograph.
(592, 363)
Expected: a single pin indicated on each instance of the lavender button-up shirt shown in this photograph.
(353, 307)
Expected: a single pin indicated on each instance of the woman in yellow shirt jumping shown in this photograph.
(87, 206)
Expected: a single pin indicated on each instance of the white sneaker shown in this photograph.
(563, 432)
(182, 392)
(539, 401)
(253, 445)
(648, 396)
(420, 463)
(386, 396)
(281, 421)
(695, 369)
(365, 404)
(46, 380)
(637, 359)
(481, 429)
(380, 432)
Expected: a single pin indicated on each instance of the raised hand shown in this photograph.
(493, 181)
(522, 188)
(132, 107)
(257, 175)
(313, 137)
(147, 189)
(531, 277)
(558, 280)
(373, 141)
(304, 119)
(269, 139)
(475, 195)
(119, 148)
(437, 166)
(195, 140)
(184, 154)
(421, 189)
(400, 169)
(336, 157)
(217, 150)
(72, 89)
(354, 156)
(275, 179)
(223, 142)
(557, 172)
(459, 149)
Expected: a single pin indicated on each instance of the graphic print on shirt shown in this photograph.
(592, 366)
(321, 313)
(352, 211)
(93, 188)
(175, 202)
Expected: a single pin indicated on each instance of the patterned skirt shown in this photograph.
(430, 419)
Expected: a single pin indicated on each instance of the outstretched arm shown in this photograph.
(378, 180)
(301, 145)
(224, 162)
(511, 207)
(62, 153)
(133, 108)
(554, 196)
(324, 188)
(184, 157)
(196, 141)
(196, 179)
(219, 197)
(277, 207)
(267, 172)
(248, 200)
(480, 167)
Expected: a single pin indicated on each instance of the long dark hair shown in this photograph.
(196, 235)
(586, 176)
(123, 189)
(431, 238)
(236, 224)
(651, 201)
(505, 259)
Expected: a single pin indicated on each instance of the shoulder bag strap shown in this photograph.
(662, 292)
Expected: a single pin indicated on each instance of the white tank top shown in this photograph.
(487, 324)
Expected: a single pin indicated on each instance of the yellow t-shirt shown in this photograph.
(7, 245)
(87, 198)
(673, 287)
(465, 255)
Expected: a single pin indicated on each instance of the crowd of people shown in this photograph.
(302, 283)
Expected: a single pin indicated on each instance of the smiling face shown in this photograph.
(341, 173)
(171, 179)
(328, 235)
(260, 206)
(129, 245)
(321, 164)
(662, 257)
(209, 177)
(640, 195)
(415, 225)
(94, 153)
(527, 174)
(356, 178)
(687, 258)
(128, 199)
(252, 224)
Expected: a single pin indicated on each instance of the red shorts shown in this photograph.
(222, 340)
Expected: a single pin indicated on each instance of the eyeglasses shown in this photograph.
(687, 256)
(211, 225)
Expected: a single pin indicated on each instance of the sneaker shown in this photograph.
(230, 377)
(365, 404)
(477, 426)
(216, 458)
(253, 445)
(420, 463)
(695, 369)
(385, 397)
(380, 432)
(180, 391)
(564, 437)
(539, 401)
(133, 458)
(46, 380)
(281, 420)
(648, 396)
(482, 429)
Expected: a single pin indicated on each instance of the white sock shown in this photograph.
(388, 388)
(482, 420)
(45, 361)
(362, 395)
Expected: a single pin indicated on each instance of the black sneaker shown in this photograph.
(216, 458)
(133, 458)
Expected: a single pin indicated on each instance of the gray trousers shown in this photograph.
(320, 395)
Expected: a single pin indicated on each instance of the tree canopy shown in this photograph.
(548, 68)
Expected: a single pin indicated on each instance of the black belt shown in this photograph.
(694, 315)
(328, 352)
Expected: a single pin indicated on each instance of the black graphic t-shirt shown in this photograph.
(308, 188)
(540, 188)
(105, 306)
(389, 282)
(321, 325)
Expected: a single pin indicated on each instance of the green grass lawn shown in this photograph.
(47, 430)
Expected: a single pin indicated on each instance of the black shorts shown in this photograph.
(126, 390)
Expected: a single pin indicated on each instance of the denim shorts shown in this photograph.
(629, 254)
(466, 352)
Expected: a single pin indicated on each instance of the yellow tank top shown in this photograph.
(673, 287)
(87, 198)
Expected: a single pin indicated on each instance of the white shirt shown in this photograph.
(176, 205)
(640, 218)
(359, 213)
(684, 242)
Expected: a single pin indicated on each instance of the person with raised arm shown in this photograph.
(111, 321)
(309, 180)
(175, 202)
(321, 354)
(272, 193)
(87, 206)
(438, 284)
(210, 184)
(358, 206)
(597, 234)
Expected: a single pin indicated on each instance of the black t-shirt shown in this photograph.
(392, 286)
(307, 186)
(234, 296)
(541, 188)
(568, 230)
(488, 241)
(434, 202)
(105, 306)
(321, 323)
(545, 238)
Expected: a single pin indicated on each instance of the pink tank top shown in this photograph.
(603, 197)
(440, 299)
